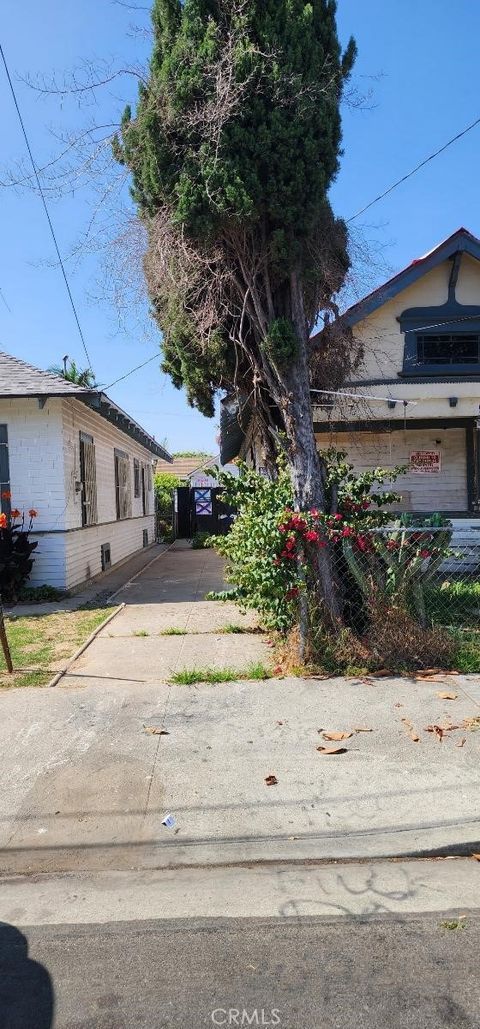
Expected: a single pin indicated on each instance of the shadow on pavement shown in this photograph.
(26, 990)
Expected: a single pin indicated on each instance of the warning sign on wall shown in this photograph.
(425, 462)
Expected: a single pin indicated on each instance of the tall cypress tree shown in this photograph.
(233, 147)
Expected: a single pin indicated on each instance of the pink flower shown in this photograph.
(338, 517)
(425, 553)
(292, 593)
(311, 536)
(348, 531)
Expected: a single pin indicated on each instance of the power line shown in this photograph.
(40, 190)
(414, 170)
(132, 370)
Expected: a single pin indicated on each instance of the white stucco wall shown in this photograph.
(43, 448)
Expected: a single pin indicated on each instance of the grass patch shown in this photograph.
(467, 656)
(192, 676)
(235, 630)
(40, 643)
(141, 632)
(453, 603)
(174, 632)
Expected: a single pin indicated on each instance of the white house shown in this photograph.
(83, 464)
(414, 400)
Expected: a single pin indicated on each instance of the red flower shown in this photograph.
(365, 505)
(3, 521)
(425, 553)
(16, 513)
(348, 531)
(338, 517)
(6, 495)
(392, 545)
(290, 543)
(292, 593)
(311, 536)
(32, 512)
(277, 562)
(314, 512)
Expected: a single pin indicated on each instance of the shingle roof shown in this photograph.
(19, 379)
(184, 466)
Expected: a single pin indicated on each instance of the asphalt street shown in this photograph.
(374, 974)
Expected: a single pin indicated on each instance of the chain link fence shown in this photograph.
(411, 593)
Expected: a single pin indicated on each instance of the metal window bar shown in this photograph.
(122, 486)
(88, 476)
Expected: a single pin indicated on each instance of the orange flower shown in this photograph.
(3, 521)
(6, 495)
(32, 512)
(16, 513)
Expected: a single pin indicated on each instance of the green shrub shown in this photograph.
(202, 541)
(41, 594)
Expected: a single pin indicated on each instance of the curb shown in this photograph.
(85, 644)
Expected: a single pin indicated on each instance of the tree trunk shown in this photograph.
(306, 467)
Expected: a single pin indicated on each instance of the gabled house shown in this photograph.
(415, 399)
(83, 464)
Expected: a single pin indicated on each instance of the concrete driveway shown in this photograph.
(85, 786)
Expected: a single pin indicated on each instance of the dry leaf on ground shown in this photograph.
(271, 780)
(446, 695)
(382, 673)
(471, 723)
(462, 742)
(332, 750)
(337, 735)
(437, 729)
(362, 728)
(156, 730)
(476, 856)
(411, 732)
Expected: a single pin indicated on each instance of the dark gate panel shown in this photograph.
(199, 509)
(182, 513)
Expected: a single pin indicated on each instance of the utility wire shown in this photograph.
(414, 170)
(132, 370)
(40, 190)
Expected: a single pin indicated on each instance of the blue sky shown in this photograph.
(417, 59)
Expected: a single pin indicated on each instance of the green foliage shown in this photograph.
(79, 376)
(269, 548)
(41, 594)
(281, 342)
(16, 561)
(202, 541)
(165, 484)
(234, 144)
(253, 543)
(201, 454)
(191, 676)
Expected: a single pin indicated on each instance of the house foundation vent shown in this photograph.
(145, 537)
(106, 556)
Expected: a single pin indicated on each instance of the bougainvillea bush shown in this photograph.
(269, 547)
(16, 549)
(381, 565)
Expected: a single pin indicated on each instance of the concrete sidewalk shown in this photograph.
(169, 595)
(84, 787)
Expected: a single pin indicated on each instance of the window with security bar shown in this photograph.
(88, 479)
(449, 348)
(123, 493)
